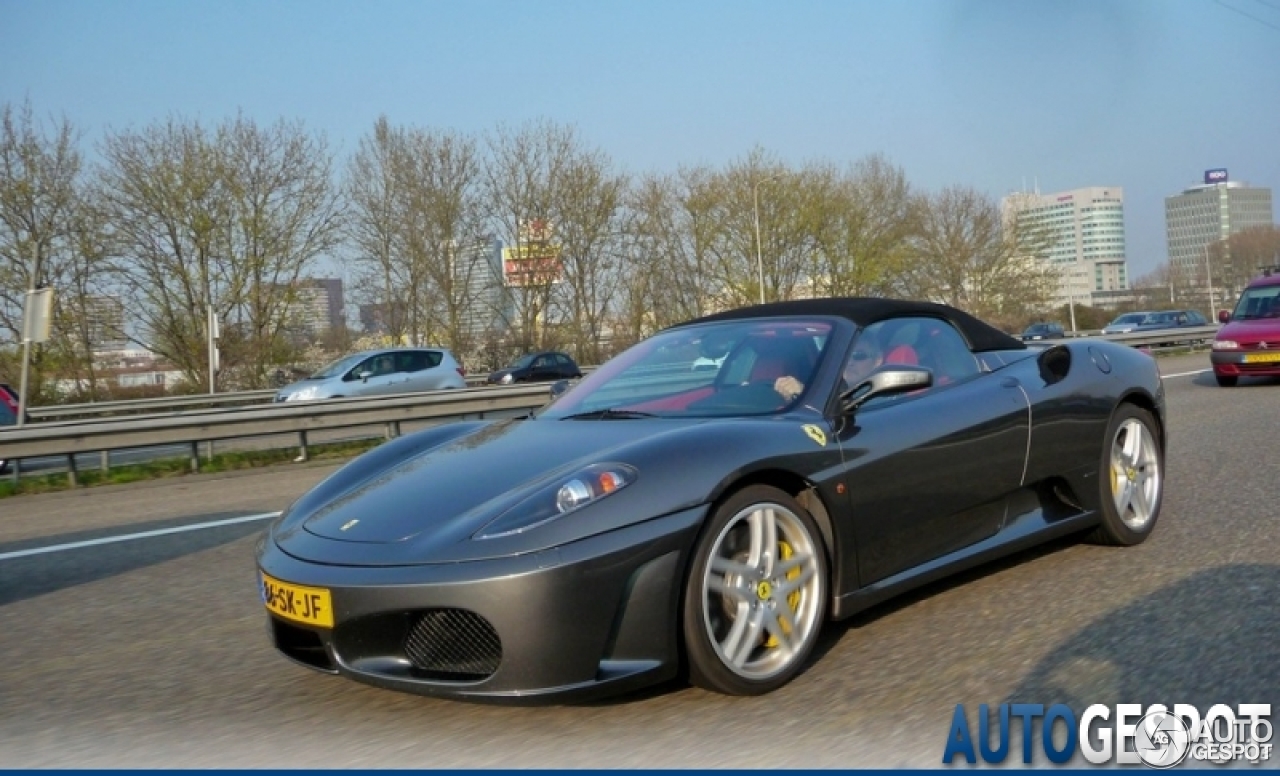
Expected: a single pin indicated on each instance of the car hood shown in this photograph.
(427, 506)
(1250, 332)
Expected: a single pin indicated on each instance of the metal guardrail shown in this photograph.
(1188, 335)
(176, 403)
(298, 418)
(147, 406)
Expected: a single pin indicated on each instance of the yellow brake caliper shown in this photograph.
(784, 553)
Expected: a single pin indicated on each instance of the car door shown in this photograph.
(928, 473)
(421, 370)
(564, 367)
(374, 376)
(541, 368)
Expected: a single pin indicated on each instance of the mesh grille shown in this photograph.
(453, 644)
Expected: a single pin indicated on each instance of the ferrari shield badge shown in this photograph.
(816, 434)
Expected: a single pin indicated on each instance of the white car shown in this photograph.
(375, 372)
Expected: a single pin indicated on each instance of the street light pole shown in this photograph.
(1208, 271)
(755, 198)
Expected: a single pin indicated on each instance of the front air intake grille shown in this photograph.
(453, 644)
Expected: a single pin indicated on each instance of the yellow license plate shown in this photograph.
(1261, 358)
(307, 605)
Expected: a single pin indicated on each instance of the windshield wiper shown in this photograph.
(609, 413)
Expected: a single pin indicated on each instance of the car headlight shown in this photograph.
(564, 495)
(306, 393)
(1226, 345)
(506, 379)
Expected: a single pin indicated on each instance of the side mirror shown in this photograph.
(886, 381)
(1224, 316)
(365, 375)
(559, 388)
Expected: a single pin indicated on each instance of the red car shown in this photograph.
(1248, 344)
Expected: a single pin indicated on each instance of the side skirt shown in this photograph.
(1026, 530)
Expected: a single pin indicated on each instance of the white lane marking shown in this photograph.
(132, 536)
(1187, 374)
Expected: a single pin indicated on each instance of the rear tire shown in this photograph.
(756, 596)
(1227, 381)
(1131, 478)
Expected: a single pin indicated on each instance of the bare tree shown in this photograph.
(524, 181)
(420, 233)
(228, 220)
(374, 186)
(286, 213)
(675, 225)
(767, 228)
(589, 224)
(39, 206)
(965, 255)
(867, 215)
(1242, 257)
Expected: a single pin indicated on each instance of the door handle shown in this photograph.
(1010, 382)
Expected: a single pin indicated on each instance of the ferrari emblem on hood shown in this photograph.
(816, 434)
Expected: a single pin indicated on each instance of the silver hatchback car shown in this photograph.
(375, 372)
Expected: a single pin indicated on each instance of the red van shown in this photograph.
(1248, 343)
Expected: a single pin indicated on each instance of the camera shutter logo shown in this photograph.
(1162, 740)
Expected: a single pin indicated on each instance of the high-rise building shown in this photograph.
(1205, 214)
(489, 307)
(316, 306)
(104, 322)
(1084, 230)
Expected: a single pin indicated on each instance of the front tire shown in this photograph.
(1226, 381)
(756, 596)
(1132, 478)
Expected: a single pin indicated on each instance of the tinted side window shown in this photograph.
(413, 361)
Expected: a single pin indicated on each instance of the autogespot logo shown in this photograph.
(1126, 735)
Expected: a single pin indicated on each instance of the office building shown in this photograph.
(1083, 230)
(315, 306)
(1205, 214)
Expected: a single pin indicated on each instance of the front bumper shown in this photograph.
(1236, 363)
(592, 618)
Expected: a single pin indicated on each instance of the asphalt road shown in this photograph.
(151, 652)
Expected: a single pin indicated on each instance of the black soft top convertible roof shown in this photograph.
(865, 311)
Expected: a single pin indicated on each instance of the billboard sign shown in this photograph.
(531, 265)
(1216, 176)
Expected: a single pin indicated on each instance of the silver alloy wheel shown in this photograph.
(761, 591)
(1135, 474)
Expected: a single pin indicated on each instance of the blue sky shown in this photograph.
(1143, 94)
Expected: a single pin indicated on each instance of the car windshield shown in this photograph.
(658, 378)
(335, 368)
(1262, 302)
(1131, 318)
(522, 362)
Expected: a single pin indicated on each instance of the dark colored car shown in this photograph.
(535, 367)
(656, 516)
(1171, 319)
(1248, 344)
(1154, 321)
(1042, 331)
(9, 407)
